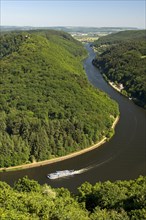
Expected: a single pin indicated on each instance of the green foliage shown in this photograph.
(123, 60)
(26, 185)
(110, 133)
(122, 36)
(112, 201)
(48, 108)
(104, 214)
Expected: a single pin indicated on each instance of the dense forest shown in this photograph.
(47, 106)
(121, 58)
(121, 200)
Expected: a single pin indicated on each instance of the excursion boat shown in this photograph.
(59, 174)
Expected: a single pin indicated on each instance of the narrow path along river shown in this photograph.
(123, 157)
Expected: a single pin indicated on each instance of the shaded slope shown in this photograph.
(122, 58)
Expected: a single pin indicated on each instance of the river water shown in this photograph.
(122, 158)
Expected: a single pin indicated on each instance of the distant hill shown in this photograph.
(121, 57)
(69, 29)
(47, 106)
(122, 36)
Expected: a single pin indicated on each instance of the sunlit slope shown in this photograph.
(122, 36)
(48, 108)
(122, 200)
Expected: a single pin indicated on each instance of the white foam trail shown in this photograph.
(91, 167)
(81, 170)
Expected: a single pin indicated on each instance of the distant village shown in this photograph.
(87, 37)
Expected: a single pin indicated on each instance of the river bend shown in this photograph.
(122, 158)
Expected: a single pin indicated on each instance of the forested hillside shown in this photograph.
(122, 36)
(121, 200)
(47, 106)
(122, 58)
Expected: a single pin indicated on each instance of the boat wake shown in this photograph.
(81, 170)
(67, 173)
(91, 166)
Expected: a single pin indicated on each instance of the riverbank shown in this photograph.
(58, 159)
(114, 86)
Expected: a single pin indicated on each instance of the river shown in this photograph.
(122, 158)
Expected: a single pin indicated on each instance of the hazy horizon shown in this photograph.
(83, 13)
(71, 26)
